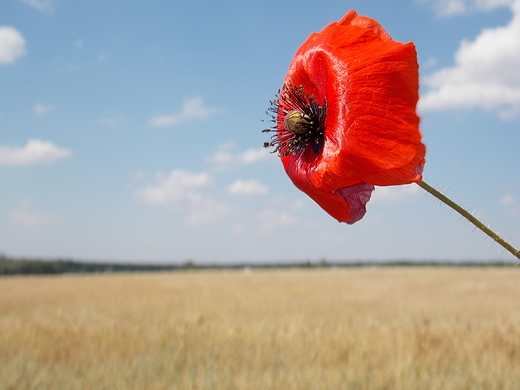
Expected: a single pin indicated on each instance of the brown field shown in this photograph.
(359, 328)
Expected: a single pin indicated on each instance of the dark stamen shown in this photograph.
(298, 120)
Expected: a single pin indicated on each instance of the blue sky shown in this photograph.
(131, 131)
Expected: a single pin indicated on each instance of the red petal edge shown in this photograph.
(370, 83)
(357, 197)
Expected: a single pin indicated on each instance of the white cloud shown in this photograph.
(486, 5)
(39, 4)
(268, 220)
(23, 216)
(176, 187)
(485, 74)
(510, 205)
(298, 204)
(191, 109)
(42, 109)
(32, 218)
(12, 44)
(450, 7)
(226, 158)
(34, 152)
(508, 200)
(454, 7)
(239, 228)
(180, 190)
(252, 156)
(205, 210)
(247, 187)
(78, 44)
(112, 121)
(139, 175)
(75, 68)
(430, 63)
(394, 194)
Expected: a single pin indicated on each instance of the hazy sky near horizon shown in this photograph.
(131, 131)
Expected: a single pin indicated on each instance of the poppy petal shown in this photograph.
(345, 204)
(357, 197)
(369, 85)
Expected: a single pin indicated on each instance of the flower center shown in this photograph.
(299, 121)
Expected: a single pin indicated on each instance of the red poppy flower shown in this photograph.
(345, 119)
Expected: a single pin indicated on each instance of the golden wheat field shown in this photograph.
(345, 328)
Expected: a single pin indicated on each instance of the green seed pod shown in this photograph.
(297, 122)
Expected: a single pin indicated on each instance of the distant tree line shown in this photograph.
(28, 266)
(21, 266)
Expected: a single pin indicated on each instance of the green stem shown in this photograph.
(470, 218)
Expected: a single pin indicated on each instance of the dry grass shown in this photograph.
(363, 328)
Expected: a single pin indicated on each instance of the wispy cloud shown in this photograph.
(34, 152)
(12, 44)
(394, 194)
(78, 44)
(454, 7)
(226, 158)
(40, 5)
(174, 188)
(510, 204)
(112, 121)
(269, 220)
(24, 216)
(32, 218)
(42, 109)
(180, 190)
(485, 74)
(508, 200)
(247, 188)
(206, 210)
(192, 109)
(450, 7)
